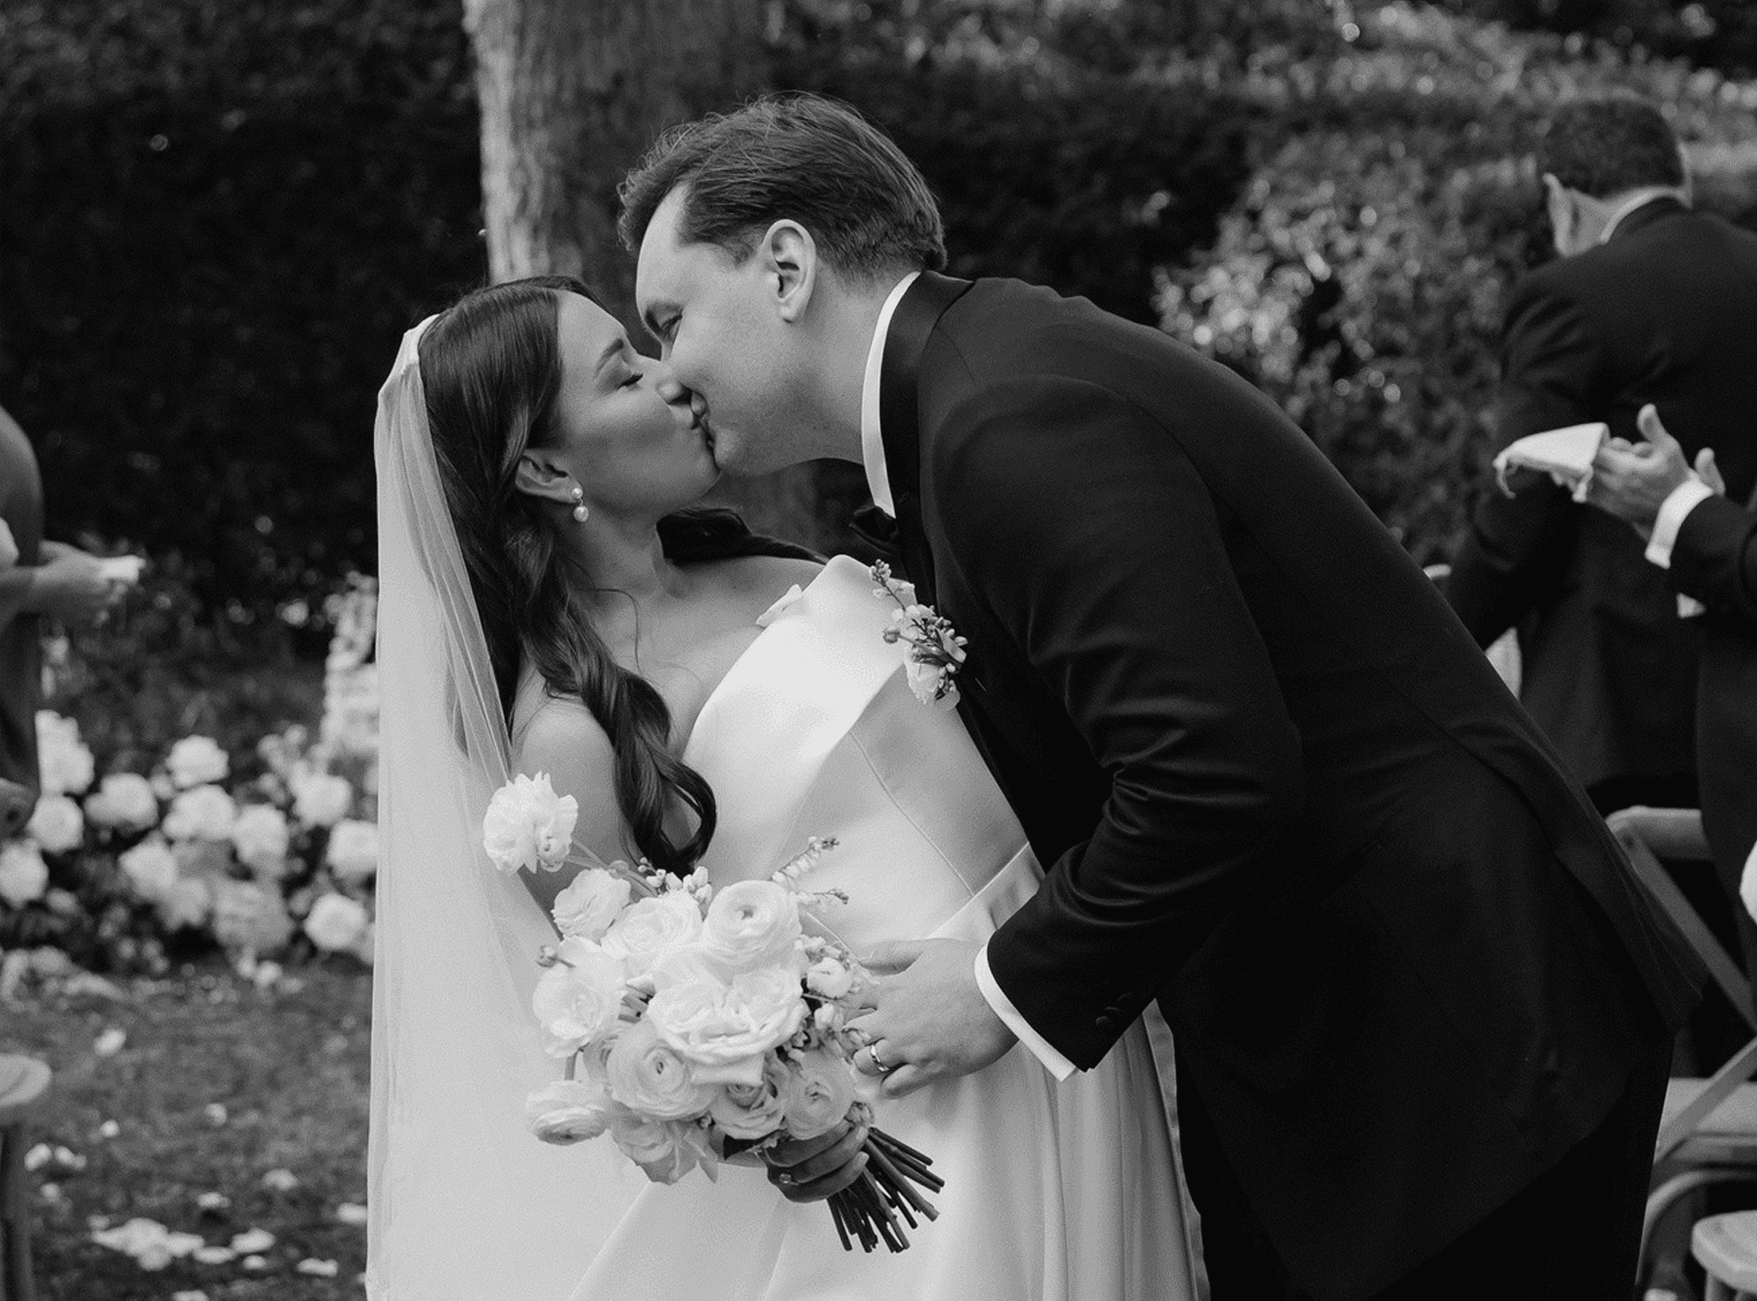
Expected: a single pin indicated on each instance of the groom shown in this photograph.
(1423, 1013)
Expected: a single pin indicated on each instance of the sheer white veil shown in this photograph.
(464, 1203)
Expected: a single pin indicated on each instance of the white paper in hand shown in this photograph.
(8, 547)
(121, 569)
(1563, 454)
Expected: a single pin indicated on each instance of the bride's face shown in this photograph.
(631, 449)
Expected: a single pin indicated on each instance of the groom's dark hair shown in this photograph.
(793, 156)
(1610, 144)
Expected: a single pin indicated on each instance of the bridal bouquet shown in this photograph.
(697, 1022)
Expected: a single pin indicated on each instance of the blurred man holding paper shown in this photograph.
(1648, 302)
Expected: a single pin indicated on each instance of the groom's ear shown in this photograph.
(539, 476)
(790, 268)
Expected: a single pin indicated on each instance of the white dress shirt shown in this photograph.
(872, 453)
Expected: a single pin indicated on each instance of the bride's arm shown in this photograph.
(565, 741)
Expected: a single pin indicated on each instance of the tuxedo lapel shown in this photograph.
(917, 313)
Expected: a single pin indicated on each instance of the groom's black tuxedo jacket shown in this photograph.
(1276, 785)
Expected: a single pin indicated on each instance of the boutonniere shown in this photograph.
(936, 652)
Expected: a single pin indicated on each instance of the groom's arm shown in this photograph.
(1094, 539)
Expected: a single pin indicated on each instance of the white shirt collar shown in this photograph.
(872, 444)
(1639, 199)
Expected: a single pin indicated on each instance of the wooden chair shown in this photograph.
(1726, 1248)
(1708, 1130)
(23, 1082)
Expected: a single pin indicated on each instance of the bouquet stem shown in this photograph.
(868, 1209)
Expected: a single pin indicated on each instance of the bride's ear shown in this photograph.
(790, 266)
(539, 476)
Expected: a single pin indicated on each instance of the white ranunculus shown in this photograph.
(650, 929)
(666, 1150)
(528, 826)
(753, 1111)
(150, 867)
(196, 761)
(752, 924)
(820, 1089)
(723, 1026)
(336, 922)
(261, 837)
(320, 799)
(125, 801)
(652, 1079)
(56, 824)
(829, 977)
(569, 1111)
(353, 849)
(201, 813)
(579, 999)
(23, 874)
(64, 763)
(185, 901)
(591, 902)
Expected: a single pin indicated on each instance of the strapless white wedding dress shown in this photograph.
(1054, 1192)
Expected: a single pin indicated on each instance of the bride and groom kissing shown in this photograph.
(1220, 746)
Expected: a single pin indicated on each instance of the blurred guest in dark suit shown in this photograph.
(1649, 302)
(44, 579)
(1706, 545)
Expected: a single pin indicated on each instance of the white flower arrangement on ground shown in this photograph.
(696, 1022)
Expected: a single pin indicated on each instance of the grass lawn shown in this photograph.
(217, 1084)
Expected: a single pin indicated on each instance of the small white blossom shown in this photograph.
(196, 761)
(201, 813)
(151, 868)
(56, 824)
(353, 850)
(335, 922)
(253, 1241)
(261, 837)
(125, 801)
(64, 763)
(320, 799)
(23, 874)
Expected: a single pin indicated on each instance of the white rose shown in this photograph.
(722, 1026)
(57, 824)
(753, 924)
(261, 837)
(650, 929)
(336, 922)
(320, 799)
(125, 801)
(579, 999)
(353, 849)
(150, 867)
(204, 813)
(749, 1111)
(23, 874)
(650, 1078)
(250, 918)
(665, 1150)
(184, 902)
(64, 764)
(528, 826)
(569, 1111)
(196, 761)
(591, 902)
(820, 1089)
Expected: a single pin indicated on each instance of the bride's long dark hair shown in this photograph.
(491, 368)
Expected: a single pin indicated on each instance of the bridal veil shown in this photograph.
(464, 1203)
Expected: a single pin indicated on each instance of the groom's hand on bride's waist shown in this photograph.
(929, 1020)
(812, 1169)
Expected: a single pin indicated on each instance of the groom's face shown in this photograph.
(718, 328)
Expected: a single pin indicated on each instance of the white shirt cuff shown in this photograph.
(1041, 1048)
(1686, 497)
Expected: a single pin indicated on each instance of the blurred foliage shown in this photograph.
(1359, 280)
(219, 215)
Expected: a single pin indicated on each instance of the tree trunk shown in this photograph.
(572, 92)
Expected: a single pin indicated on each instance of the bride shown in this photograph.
(549, 603)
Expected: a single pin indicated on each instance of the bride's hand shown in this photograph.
(812, 1169)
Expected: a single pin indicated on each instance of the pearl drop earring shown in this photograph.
(580, 512)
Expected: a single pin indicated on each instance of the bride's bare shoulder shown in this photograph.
(773, 575)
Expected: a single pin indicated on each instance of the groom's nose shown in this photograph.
(670, 390)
